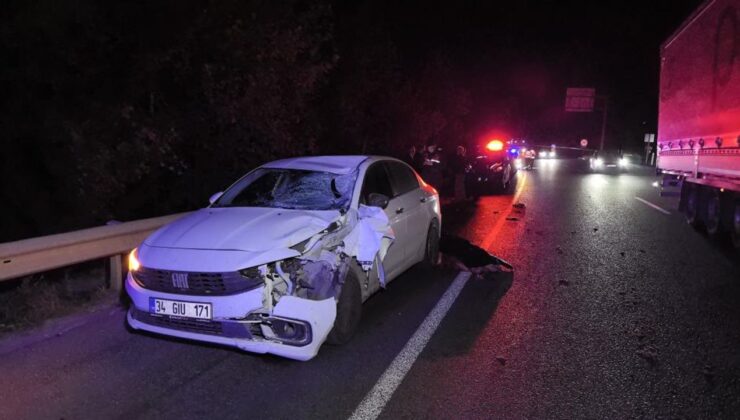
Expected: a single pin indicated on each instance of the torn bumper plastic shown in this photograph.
(295, 328)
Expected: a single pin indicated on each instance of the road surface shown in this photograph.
(616, 309)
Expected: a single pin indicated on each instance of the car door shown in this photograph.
(377, 180)
(410, 200)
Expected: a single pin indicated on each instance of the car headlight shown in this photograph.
(598, 162)
(623, 162)
(543, 154)
(133, 260)
(552, 154)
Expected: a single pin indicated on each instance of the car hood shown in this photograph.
(254, 229)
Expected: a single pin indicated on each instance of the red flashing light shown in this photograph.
(495, 145)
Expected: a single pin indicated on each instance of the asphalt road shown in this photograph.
(615, 310)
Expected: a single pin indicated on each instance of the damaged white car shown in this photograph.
(283, 259)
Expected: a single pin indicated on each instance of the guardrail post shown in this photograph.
(115, 277)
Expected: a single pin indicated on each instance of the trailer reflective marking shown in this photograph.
(655, 206)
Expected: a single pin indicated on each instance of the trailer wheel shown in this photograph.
(692, 205)
(735, 228)
(712, 221)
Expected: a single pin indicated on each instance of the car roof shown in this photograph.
(333, 164)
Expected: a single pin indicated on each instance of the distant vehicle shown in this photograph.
(283, 259)
(699, 118)
(608, 160)
(548, 153)
(492, 170)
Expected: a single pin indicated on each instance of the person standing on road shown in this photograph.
(432, 171)
(458, 165)
(414, 158)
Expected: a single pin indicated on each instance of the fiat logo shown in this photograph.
(180, 280)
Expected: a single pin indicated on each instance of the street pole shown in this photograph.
(603, 120)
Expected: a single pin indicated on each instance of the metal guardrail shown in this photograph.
(36, 255)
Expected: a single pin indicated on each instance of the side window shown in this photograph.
(376, 181)
(404, 179)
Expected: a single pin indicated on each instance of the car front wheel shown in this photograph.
(349, 310)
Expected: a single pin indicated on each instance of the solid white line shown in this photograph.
(656, 207)
(378, 397)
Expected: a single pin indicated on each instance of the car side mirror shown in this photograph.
(215, 197)
(378, 200)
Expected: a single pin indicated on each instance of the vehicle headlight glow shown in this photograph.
(543, 154)
(623, 162)
(598, 162)
(518, 163)
(133, 260)
(552, 154)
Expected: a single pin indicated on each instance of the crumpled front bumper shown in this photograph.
(228, 326)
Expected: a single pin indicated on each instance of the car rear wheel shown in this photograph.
(431, 248)
(349, 310)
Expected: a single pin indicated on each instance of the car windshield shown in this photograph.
(611, 155)
(290, 189)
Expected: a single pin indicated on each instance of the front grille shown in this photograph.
(182, 324)
(198, 326)
(212, 284)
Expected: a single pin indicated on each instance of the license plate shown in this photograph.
(179, 308)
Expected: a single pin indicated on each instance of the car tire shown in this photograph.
(349, 310)
(431, 247)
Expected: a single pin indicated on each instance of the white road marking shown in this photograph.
(655, 206)
(378, 397)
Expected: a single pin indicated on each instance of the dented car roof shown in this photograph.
(333, 164)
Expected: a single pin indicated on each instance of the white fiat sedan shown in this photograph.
(283, 259)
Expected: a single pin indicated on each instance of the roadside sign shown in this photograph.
(649, 138)
(584, 142)
(579, 99)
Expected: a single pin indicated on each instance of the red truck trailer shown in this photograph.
(699, 117)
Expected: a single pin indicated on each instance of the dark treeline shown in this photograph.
(123, 110)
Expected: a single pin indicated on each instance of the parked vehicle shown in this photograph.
(492, 170)
(283, 259)
(699, 117)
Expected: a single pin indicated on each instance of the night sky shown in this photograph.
(518, 58)
(190, 94)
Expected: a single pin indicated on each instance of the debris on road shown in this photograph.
(648, 353)
(563, 282)
(501, 360)
(596, 229)
(621, 253)
(559, 250)
(519, 206)
(512, 219)
(708, 372)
